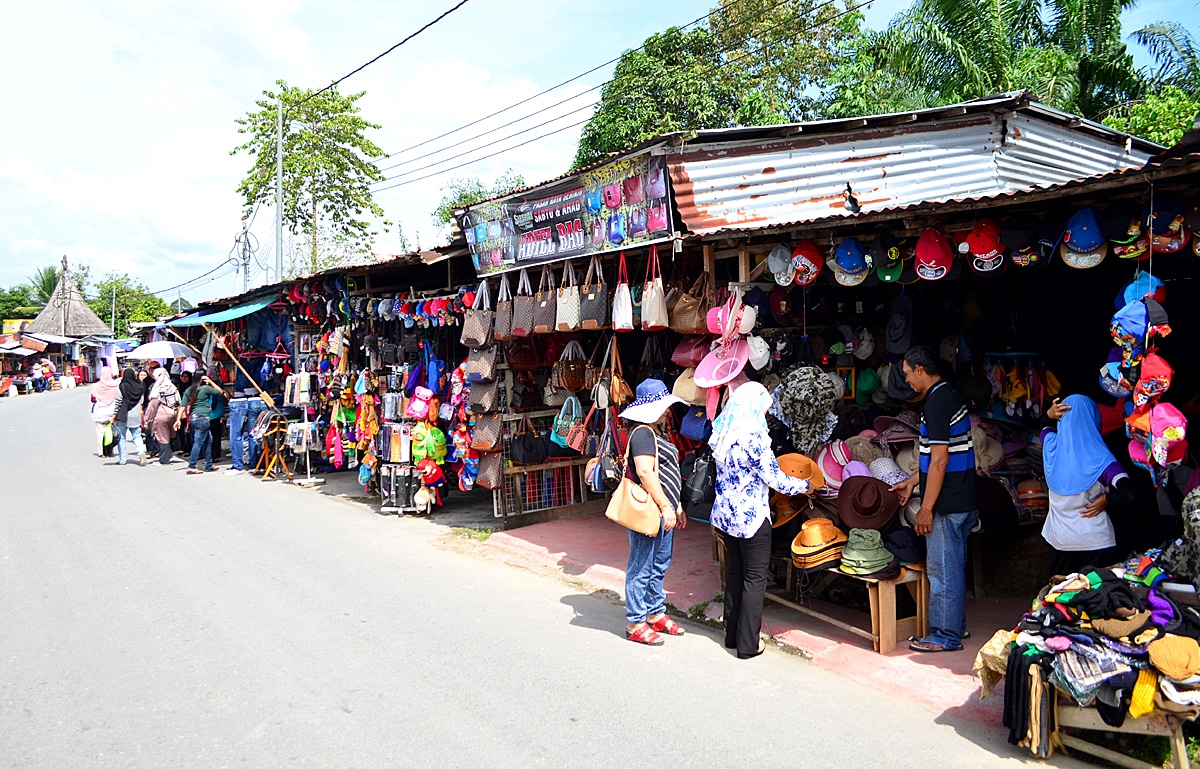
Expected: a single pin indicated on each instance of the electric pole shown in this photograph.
(245, 241)
(279, 192)
(114, 311)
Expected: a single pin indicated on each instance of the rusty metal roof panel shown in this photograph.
(1066, 153)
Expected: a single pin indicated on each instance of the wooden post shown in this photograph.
(710, 260)
(743, 265)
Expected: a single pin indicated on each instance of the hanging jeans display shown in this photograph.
(243, 412)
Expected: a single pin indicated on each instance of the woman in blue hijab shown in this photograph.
(1081, 475)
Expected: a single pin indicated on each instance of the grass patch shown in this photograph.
(477, 533)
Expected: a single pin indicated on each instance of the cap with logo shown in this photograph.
(851, 267)
(779, 262)
(1020, 235)
(806, 262)
(1123, 226)
(1168, 233)
(986, 251)
(935, 257)
(1083, 245)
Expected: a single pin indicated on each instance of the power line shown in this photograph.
(224, 264)
(747, 53)
(334, 84)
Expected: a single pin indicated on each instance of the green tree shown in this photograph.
(43, 281)
(17, 302)
(860, 84)
(327, 166)
(1162, 117)
(180, 304)
(459, 193)
(1175, 52)
(133, 302)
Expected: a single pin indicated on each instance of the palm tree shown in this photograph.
(42, 284)
(1174, 51)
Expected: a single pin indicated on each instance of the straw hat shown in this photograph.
(819, 543)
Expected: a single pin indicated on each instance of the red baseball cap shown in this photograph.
(935, 257)
(807, 261)
(987, 254)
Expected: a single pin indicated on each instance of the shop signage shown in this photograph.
(618, 205)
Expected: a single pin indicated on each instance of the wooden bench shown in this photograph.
(1071, 716)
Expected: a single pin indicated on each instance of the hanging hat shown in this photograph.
(803, 468)
(819, 543)
(1020, 235)
(866, 386)
(1123, 226)
(760, 352)
(1141, 285)
(806, 262)
(989, 452)
(1083, 244)
(850, 268)
(899, 331)
(779, 262)
(781, 307)
(935, 257)
(864, 502)
(839, 385)
(1168, 231)
(1050, 232)
(723, 364)
(761, 302)
(887, 257)
(866, 343)
(987, 253)
(886, 470)
(652, 401)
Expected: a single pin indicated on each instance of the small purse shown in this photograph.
(567, 314)
(696, 424)
(633, 190)
(685, 387)
(592, 373)
(545, 304)
(477, 323)
(568, 416)
(503, 319)
(632, 506)
(656, 217)
(554, 396)
(619, 391)
(593, 298)
(622, 306)
(656, 181)
(612, 196)
(690, 351)
(522, 318)
(581, 436)
(485, 436)
(654, 299)
(485, 397)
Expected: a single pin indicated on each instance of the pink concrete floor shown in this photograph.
(595, 550)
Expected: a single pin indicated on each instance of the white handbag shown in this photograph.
(622, 310)
(567, 315)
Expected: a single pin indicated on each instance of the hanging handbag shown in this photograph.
(485, 435)
(522, 317)
(485, 396)
(545, 304)
(568, 416)
(622, 306)
(633, 190)
(656, 181)
(696, 424)
(593, 372)
(654, 358)
(593, 298)
(690, 351)
(632, 506)
(692, 308)
(656, 217)
(491, 470)
(699, 485)
(570, 372)
(480, 365)
(526, 394)
(580, 435)
(654, 298)
(685, 387)
(521, 355)
(528, 448)
(503, 319)
(554, 396)
(567, 314)
(619, 391)
(477, 324)
(613, 196)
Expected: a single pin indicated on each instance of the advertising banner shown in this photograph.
(618, 205)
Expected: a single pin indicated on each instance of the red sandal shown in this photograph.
(665, 624)
(644, 635)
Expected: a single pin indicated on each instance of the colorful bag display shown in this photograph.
(522, 319)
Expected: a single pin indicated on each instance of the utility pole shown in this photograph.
(113, 325)
(279, 192)
(245, 241)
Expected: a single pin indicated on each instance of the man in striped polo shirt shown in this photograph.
(948, 508)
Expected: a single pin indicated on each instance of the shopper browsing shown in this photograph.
(1081, 475)
(948, 508)
(198, 399)
(746, 468)
(656, 467)
(129, 398)
(164, 415)
(104, 395)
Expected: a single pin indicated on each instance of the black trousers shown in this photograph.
(1064, 562)
(745, 586)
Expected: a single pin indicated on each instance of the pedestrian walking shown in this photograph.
(39, 379)
(655, 467)
(104, 396)
(946, 475)
(746, 470)
(164, 415)
(126, 424)
(198, 399)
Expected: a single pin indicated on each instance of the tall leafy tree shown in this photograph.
(458, 193)
(327, 166)
(42, 282)
(132, 301)
(1175, 53)
(1161, 117)
(17, 302)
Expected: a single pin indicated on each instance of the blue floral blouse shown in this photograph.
(742, 483)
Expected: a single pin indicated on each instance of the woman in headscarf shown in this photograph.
(1082, 476)
(655, 466)
(164, 414)
(746, 469)
(129, 398)
(104, 395)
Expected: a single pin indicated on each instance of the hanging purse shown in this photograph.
(696, 424)
(622, 306)
(619, 391)
(528, 448)
(567, 314)
(654, 299)
(656, 217)
(485, 435)
(521, 355)
(685, 387)
(485, 397)
(633, 190)
(554, 396)
(580, 435)
(632, 506)
(593, 372)
(613, 196)
(593, 298)
(690, 351)
(656, 180)
(692, 308)
(526, 394)
(699, 485)
(522, 318)
(491, 470)
(503, 318)
(570, 371)
(480, 365)
(568, 416)
(477, 324)
(545, 304)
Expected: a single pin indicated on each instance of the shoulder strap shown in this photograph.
(482, 300)
(622, 270)
(523, 284)
(504, 293)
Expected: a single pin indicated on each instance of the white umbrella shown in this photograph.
(161, 351)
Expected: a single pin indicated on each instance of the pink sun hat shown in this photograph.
(723, 365)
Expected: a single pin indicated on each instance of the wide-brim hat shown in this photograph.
(760, 352)
(855, 469)
(817, 537)
(723, 364)
(864, 502)
(863, 450)
(886, 470)
(786, 508)
(831, 470)
(902, 428)
(652, 401)
(803, 468)
(989, 452)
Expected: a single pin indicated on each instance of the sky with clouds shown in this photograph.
(115, 146)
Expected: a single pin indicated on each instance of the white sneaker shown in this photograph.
(233, 471)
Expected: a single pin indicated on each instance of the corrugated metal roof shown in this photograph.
(754, 184)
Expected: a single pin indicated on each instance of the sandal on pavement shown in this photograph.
(665, 624)
(923, 645)
(644, 635)
(194, 471)
(762, 647)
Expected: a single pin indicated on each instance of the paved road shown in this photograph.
(154, 619)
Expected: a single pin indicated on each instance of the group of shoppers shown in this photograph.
(149, 412)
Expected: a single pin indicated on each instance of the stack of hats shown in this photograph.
(904, 428)
(886, 470)
(818, 545)
(864, 555)
(807, 398)
(832, 460)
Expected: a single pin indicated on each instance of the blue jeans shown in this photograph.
(135, 438)
(946, 566)
(649, 558)
(201, 441)
(242, 415)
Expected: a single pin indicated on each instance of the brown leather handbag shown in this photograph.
(689, 316)
(632, 506)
